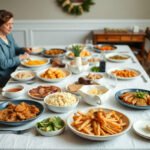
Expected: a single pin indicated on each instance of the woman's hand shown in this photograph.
(24, 56)
(28, 50)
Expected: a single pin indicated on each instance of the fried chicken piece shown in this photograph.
(141, 102)
(11, 106)
(20, 107)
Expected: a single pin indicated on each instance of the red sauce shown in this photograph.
(14, 90)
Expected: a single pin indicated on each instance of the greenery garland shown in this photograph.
(75, 8)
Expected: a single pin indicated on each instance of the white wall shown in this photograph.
(60, 32)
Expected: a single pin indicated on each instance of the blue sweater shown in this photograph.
(9, 59)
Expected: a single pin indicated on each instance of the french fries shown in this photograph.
(98, 122)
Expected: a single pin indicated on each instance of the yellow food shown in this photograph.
(35, 62)
(96, 91)
(84, 53)
(99, 122)
(53, 74)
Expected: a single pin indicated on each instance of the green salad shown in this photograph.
(95, 69)
(51, 124)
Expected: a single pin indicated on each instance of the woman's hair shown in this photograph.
(5, 16)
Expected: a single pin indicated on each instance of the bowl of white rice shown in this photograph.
(61, 102)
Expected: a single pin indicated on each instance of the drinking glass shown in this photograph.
(89, 44)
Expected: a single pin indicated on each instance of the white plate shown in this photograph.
(35, 58)
(13, 75)
(37, 50)
(40, 98)
(68, 73)
(98, 138)
(124, 78)
(140, 128)
(107, 56)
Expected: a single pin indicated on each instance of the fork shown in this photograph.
(15, 131)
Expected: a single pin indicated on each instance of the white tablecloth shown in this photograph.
(68, 140)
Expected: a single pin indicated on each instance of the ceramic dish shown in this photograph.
(119, 57)
(137, 72)
(105, 48)
(94, 94)
(23, 75)
(13, 91)
(36, 61)
(36, 50)
(30, 102)
(54, 52)
(140, 127)
(89, 136)
(61, 102)
(118, 99)
(66, 72)
(41, 91)
(54, 125)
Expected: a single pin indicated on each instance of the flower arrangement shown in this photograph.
(76, 49)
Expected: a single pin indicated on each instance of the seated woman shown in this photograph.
(10, 54)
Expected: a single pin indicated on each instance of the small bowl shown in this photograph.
(36, 50)
(13, 91)
(60, 109)
(50, 133)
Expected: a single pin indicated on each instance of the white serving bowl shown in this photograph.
(50, 133)
(67, 72)
(36, 50)
(11, 91)
(14, 75)
(60, 109)
(96, 137)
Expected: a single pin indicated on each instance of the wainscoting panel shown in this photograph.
(20, 37)
(65, 32)
(56, 37)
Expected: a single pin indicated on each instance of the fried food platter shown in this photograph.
(87, 128)
(24, 112)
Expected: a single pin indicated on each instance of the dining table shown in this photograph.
(68, 140)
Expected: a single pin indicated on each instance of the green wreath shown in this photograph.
(75, 8)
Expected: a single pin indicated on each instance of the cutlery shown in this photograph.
(15, 131)
(144, 79)
(133, 60)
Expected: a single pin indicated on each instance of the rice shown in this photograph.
(61, 99)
